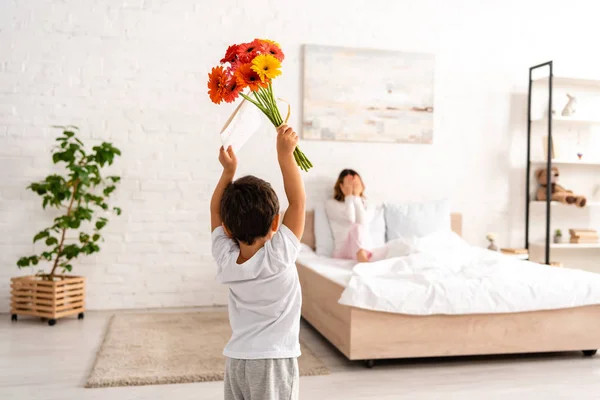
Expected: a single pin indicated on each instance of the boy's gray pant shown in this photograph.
(266, 379)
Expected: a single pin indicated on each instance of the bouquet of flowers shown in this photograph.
(252, 67)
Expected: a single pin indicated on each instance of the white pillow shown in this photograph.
(324, 242)
(377, 227)
(416, 219)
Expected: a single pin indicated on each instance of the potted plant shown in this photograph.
(558, 236)
(80, 194)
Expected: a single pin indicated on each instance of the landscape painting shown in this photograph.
(368, 95)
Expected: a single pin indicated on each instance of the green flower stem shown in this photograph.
(264, 100)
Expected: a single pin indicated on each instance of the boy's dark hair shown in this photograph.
(248, 207)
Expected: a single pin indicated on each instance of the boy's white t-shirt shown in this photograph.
(264, 296)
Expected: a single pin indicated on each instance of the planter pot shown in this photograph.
(557, 239)
(51, 299)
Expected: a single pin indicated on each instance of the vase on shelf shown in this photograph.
(491, 237)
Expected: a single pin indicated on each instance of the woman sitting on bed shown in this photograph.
(349, 215)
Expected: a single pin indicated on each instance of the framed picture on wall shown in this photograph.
(368, 95)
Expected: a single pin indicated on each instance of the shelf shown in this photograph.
(579, 120)
(558, 161)
(569, 81)
(556, 203)
(567, 246)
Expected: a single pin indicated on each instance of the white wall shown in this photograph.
(134, 72)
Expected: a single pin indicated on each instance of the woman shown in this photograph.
(349, 216)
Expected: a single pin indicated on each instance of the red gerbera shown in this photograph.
(270, 47)
(247, 51)
(231, 55)
(246, 77)
(231, 90)
(216, 84)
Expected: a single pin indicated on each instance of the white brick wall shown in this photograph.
(134, 72)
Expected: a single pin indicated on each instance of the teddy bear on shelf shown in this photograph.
(559, 193)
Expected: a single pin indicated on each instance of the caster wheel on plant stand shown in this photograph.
(80, 315)
(13, 317)
(51, 322)
(589, 353)
(369, 363)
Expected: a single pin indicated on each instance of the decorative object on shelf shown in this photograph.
(522, 254)
(569, 109)
(78, 194)
(395, 105)
(555, 264)
(579, 148)
(583, 236)
(558, 192)
(558, 236)
(491, 237)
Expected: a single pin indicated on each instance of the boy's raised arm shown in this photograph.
(229, 163)
(292, 180)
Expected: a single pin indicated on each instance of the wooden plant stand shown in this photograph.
(50, 299)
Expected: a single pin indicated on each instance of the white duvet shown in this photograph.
(442, 274)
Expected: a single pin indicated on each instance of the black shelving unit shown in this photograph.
(549, 157)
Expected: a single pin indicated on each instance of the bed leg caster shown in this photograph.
(589, 353)
(369, 363)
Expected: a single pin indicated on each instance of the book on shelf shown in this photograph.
(583, 233)
(584, 241)
(510, 250)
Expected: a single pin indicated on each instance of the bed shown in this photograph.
(365, 334)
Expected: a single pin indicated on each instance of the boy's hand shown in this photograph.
(228, 160)
(286, 140)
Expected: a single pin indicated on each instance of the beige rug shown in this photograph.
(159, 348)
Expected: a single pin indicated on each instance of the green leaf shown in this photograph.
(83, 237)
(23, 262)
(34, 260)
(108, 190)
(40, 236)
(96, 237)
(69, 134)
(68, 267)
(56, 157)
(115, 179)
(47, 255)
(51, 241)
(117, 210)
(100, 224)
(71, 251)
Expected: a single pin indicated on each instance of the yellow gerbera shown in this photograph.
(271, 42)
(266, 66)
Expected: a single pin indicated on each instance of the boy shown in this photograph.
(256, 258)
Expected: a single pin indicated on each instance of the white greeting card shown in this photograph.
(241, 125)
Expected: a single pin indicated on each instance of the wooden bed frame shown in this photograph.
(368, 335)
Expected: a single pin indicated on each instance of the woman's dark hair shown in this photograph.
(248, 207)
(337, 188)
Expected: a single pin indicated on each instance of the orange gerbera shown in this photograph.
(231, 55)
(247, 77)
(247, 51)
(216, 84)
(272, 48)
(231, 90)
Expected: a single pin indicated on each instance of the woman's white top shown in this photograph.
(343, 214)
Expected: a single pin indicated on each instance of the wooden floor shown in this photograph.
(52, 363)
